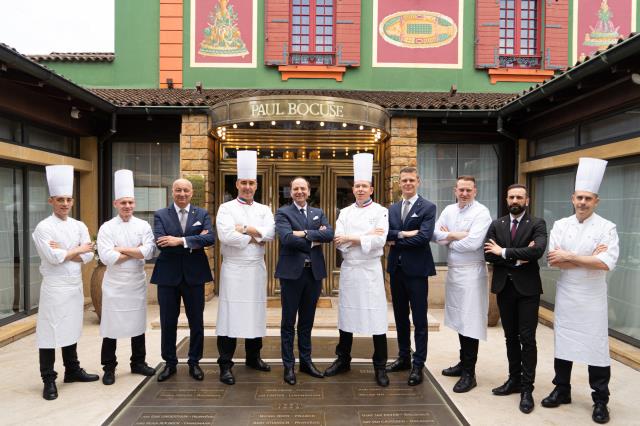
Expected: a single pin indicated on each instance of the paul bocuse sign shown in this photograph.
(304, 108)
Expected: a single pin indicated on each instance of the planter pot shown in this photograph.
(96, 288)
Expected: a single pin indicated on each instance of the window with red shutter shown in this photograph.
(312, 32)
(519, 45)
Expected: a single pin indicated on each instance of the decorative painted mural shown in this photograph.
(223, 33)
(417, 33)
(601, 23)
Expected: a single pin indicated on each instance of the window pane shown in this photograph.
(11, 239)
(553, 143)
(9, 130)
(320, 30)
(440, 164)
(524, 24)
(328, 20)
(510, 33)
(328, 40)
(296, 10)
(305, 20)
(612, 127)
(296, 20)
(305, 30)
(38, 210)
(328, 11)
(305, 10)
(50, 141)
(296, 29)
(318, 40)
(304, 40)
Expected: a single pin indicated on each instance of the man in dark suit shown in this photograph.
(182, 231)
(301, 230)
(514, 243)
(410, 263)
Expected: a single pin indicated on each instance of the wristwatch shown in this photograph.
(244, 229)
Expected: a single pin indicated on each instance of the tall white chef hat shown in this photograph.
(362, 166)
(247, 163)
(590, 174)
(60, 180)
(123, 184)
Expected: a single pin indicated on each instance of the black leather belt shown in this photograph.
(307, 264)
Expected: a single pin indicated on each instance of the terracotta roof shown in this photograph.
(210, 97)
(580, 63)
(74, 57)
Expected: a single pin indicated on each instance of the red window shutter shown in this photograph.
(487, 33)
(276, 39)
(348, 33)
(556, 34)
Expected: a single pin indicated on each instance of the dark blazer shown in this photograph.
(415, 251)
(176, 264)
(526, 277)
(294, 250)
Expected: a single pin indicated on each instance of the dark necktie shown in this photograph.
(514, 229)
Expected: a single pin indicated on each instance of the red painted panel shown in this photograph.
(556, 34)
(277, 32)
(487, 33)
(348, 32)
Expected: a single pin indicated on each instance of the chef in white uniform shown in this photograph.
(124, 243)
(585, 247)
(462, 227)
(63, 245)
(361, 233)
(244, 226)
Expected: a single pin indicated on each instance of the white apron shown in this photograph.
(124, 303)
(60, 311)
(467, 300)
(242, 303)
(362, 306)
(581, 330)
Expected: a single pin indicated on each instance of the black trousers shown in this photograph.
(227, 347)
(108, 352)
(520, 320)
(410, 292)
(169, 300)
(343, 349)
(468, 353)
(48, 359)
(598, 379)
(299, 298)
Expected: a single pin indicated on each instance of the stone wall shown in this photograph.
(197, 164)
(401, 150)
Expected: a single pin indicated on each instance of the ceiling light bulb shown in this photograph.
(251, 123)
(361, 127)
(235, 126)
(322, 124)
(298, 122)
(273, 123)
(344, 124)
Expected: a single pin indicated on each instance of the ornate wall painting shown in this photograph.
(224, 33)
(417, 33)
(599, 23)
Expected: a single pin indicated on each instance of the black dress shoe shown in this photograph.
(196, 372)
(381, 377)
(466, 383)
(226, 376)
(310, 369)
(50, 391)
(526, 402)
(455, 371)
(416, 376)
(290, 375)
(400, 364)
(338, 366)
(258, 364)
(167, 371)
(509, 387)
(142, 369)
(557, 397)
(600, 413)
(109, 377)
(80, 376)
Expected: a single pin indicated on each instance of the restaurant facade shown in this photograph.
(508, 91)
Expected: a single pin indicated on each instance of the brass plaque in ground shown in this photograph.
(260, 398)
(323, 347)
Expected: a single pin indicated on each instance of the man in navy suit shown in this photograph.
(182, 231)
(301, 230)
(410, 263)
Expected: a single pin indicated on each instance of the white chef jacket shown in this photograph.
(61, 305)
(362, 302)
(466, 291)
(581, 330)
(242, 303)
(124, 286)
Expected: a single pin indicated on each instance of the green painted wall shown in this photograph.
(137, 28)
(136, 63)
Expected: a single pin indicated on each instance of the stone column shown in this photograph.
(197, 165)
(401, 150)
